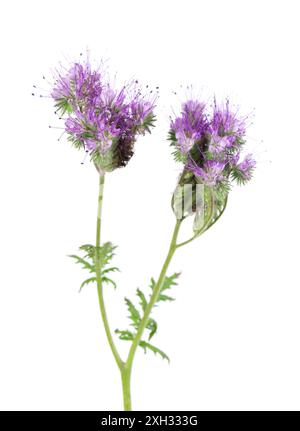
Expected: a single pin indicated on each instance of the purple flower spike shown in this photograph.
(209, 143)
(99, 118)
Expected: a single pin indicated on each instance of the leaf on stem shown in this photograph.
(105, 254)
(143, 301)
(152, 326)
(87, 281)
(134, 314)
(154, 349)
(167, 284)
(125, 335)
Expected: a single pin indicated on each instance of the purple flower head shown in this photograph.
(189, 127)
(99, 118)
(76, 88)
(209, 143)
(243, 171)
(225, 122)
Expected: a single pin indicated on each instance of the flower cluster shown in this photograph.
(100, 119)
(209, 144)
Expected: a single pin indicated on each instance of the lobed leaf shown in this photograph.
(134, 314)
(154, 349)
(85, 263)
(143, 301)
(87, 281)
(125, 335)
(109, 280)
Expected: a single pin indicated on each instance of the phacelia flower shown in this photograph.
(209, 143)
(99, 118)
(190, 126)
(243, 170)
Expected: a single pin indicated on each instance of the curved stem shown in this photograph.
(219, 215)
(99, 278)
(153, 299)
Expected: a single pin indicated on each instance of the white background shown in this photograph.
(233, 331)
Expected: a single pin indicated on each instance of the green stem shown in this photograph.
(126, 373)
(99, 278)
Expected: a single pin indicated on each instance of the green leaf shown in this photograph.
(109, 280)
(154, 349)
(87, 281)
(104, 253)
(134, 314)
(152, 283)
(165, 298)
(125, 335)
(112, 269)
(167, 284)
(152, 326)
(83, 262)
(89, 249)
(170, 281)
(143, 301)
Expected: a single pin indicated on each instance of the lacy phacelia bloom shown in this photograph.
(190, 126)
(209, 144)
(100, 119)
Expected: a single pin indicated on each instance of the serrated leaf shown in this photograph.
(112, 269)
(104, 253)
(109, 280)
(134, 314)
(165, 298)
(87, 281)
(167, 284)
(154, 349)
(152, 283)
(89, 249)
(125, 335)
(170, 281)
(83, 262)
(143, 301)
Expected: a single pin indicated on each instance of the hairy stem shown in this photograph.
(98, 266)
